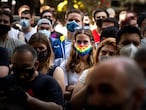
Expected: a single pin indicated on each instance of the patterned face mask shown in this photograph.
(42, 55)
(83, 50)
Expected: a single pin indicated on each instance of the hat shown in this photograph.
(4, 59)
(44, 21)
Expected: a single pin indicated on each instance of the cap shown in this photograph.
(43, 21)
(4, 59)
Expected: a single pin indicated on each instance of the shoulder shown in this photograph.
(58, 71)
(46, 79)
(58, 68)
(62, 65)
(16, 41)
(83, 76)
(16, 31)
(51, 70)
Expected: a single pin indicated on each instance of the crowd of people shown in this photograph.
(45, 65)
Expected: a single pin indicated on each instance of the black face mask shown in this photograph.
(99, 22)
(23, 74)
(42, 55)
(4, 29)
(86, 24)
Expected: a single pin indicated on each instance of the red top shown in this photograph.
(96, 36)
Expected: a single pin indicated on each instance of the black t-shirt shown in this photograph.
(10, 94)
(5, 82)
(45, 88)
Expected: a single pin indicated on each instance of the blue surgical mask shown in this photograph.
(71, 26)
(24, 23)
(45, 32)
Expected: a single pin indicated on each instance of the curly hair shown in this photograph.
(41, 38)
(73, 63)
(107, 41)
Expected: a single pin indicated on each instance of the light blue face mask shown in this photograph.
(24, 23)
(71, 26)
(45, 32)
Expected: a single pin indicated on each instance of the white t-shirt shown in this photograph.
(13, 33)
(83, 76)
(16, 34)
(29, 34)
(70, 78)
(11, 44)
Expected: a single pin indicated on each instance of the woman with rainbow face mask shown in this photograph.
(106, 49)
(81, 58)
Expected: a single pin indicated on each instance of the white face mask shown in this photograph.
(128, 50)
(46, 32)
(103, 58)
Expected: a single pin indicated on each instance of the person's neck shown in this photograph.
(83, 64)
(98, 30)
(84, 58)
(69, 35)
(25, 30)
(34, 75)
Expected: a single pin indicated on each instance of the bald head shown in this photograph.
(118, 67)
(113, 82)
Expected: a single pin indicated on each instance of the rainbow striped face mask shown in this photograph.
(83, 50)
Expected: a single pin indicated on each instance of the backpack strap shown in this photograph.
(51, 70)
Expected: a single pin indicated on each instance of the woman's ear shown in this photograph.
(73, 42)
